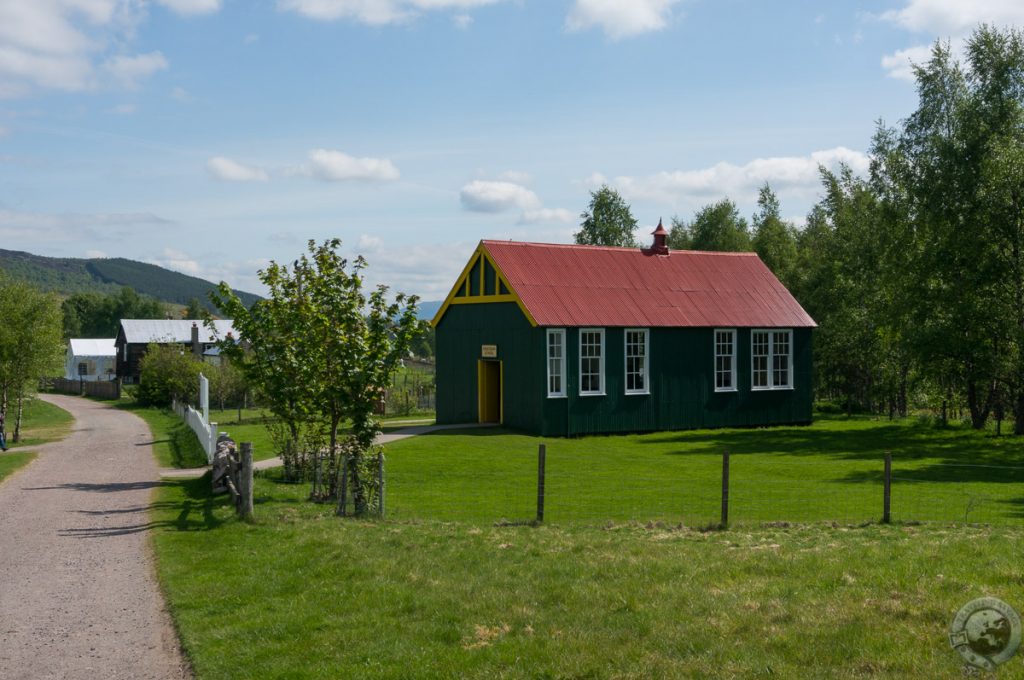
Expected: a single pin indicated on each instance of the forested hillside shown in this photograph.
(72, 275)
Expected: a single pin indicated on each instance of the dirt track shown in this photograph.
(78, 593)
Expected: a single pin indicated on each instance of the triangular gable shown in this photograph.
(481, 282)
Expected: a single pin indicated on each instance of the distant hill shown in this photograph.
(106, 275)
(427, 309)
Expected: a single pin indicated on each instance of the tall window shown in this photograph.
(591, 361)
(771, 355)
(725, 361)
(636, 361)
(556, 362)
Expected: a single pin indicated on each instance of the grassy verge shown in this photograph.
(9, 462)
(43, 422)
(174, 443)
(315, 596)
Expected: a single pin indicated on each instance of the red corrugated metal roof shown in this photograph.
(571, 285)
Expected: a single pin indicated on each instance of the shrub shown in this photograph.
(167, 372)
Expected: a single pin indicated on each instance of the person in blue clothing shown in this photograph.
(3, 433)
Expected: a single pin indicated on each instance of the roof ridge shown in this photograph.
(580, 246)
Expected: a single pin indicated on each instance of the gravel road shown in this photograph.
(78, 591)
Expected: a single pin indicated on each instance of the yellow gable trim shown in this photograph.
(462, 283)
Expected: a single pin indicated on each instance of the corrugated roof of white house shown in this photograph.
(91, 347)
(173, 330)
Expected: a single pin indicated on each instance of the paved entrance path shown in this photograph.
(78, 591)
(387, 438)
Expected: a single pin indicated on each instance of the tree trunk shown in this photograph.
(979, 411)
(17, 420)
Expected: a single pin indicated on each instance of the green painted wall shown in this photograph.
(681, 376)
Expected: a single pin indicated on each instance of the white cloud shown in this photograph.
(251, 38)
(128, 71)
(495, 197)
(951, 20)
(620, 18)
(191, 6)
(176, 260)
(955, 17)
(95, 254)
(28, 228)
(124, 109)
(548, 216)
(232, 171)
(427, 270)
(72, 45)
(900, 64)
(336, 166)
(375, 12)
(786, 174)
(180, 94)
(462, 21)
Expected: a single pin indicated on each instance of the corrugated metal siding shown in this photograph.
(460, 335)
(681, 374)
(563, 285)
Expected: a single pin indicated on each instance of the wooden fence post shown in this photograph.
(887, 490)
(380, 482)
(542, 452)
(725, 490)
(245, 482)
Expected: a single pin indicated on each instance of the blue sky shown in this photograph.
(211, 136)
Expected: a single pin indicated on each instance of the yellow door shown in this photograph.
(489, 395)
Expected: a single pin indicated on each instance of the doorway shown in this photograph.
(489, 375)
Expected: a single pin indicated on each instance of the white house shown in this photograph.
(90, 359)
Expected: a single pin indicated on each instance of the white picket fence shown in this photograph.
(199, 421)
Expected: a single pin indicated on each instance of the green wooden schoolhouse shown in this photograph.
(563, 340)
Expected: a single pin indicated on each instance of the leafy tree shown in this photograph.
(607, 221)
(346, 344)
(31, 344)
(91, 315)
(166, 373)
(679, 236)
(774, 240)
(719, 226)
(194, 310)
(227, 384)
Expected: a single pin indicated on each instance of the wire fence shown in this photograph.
(708, 491)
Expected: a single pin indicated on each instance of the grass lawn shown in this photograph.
(439, 589)
(176, 446)
(831, 470)
(313, 596)
(43, 422)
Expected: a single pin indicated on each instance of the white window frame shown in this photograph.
(560, 332)
(771, 359)
(732, 363)
(600, 371)
(646, 357)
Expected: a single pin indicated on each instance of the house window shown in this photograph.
(636, 361)
(771, 354)
(591, 361)
(83, 368)
(556, 362)
(725, 361)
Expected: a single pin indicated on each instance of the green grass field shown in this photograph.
(617, 583)
(313, 596)
(9, 462)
